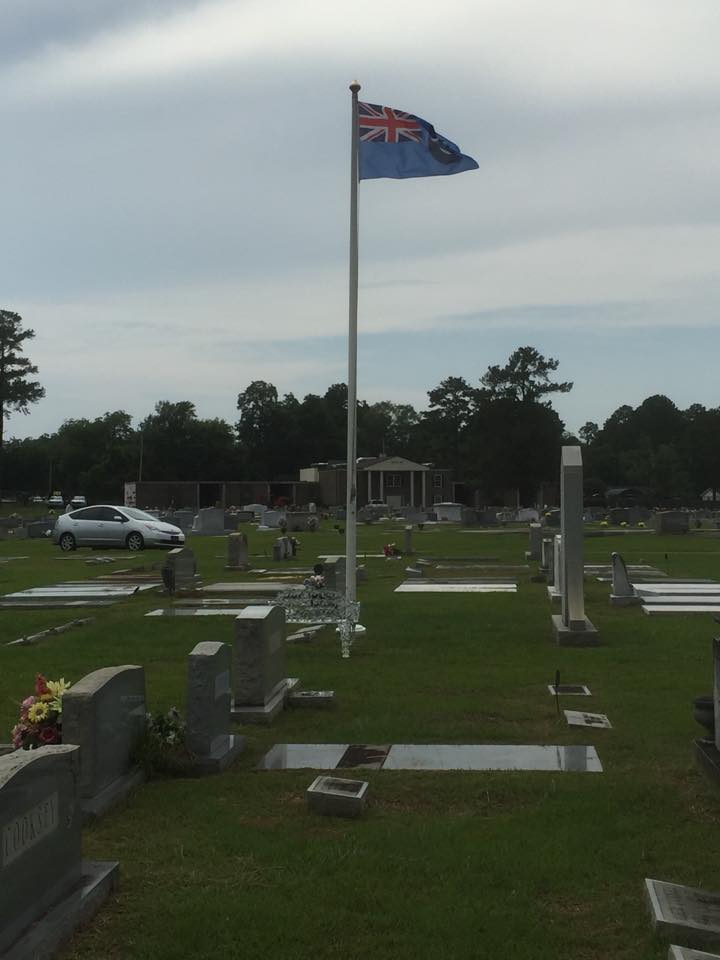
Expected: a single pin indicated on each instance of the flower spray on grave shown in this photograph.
(162, 750)
(40, 720)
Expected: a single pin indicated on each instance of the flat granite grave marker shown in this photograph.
(571, 626)
(104, 714)
(260, 682)
(46, 890)
(579, 718)
(208, 708)
(569, 690)
(684, 913)
(334, 797)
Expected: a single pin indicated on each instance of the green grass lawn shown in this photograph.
(444, 865)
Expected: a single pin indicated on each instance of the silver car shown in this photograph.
(107, 526)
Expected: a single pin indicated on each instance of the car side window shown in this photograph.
(89, 513)
(108, 514)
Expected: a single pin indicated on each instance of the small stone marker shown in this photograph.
(569, 690)
(334, 797)
(572, 627)
(312, 698)
(260, 681)
(237, 552)
(578, 718)
(208, 708)
(46, 889)
(278, 549)
(684, 913)
(104, 714)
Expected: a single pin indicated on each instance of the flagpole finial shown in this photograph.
(355, 86)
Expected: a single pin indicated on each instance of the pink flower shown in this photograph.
(50, 735)
(28, 702)
(41, 686)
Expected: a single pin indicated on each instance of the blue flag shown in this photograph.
(398, 145)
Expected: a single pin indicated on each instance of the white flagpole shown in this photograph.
(351, 465)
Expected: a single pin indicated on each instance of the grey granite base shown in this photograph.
(620, 601)
(98, 880)
(93, 807)
(333, 797)
(264, 713)
(221, 760)
(589, 637)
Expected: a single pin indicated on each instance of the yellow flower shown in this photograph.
(58, 687)
(38, 712)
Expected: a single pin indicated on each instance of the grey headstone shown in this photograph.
(278, 549)
(572, 627)
(210, 521)
(180, 569)
(546, 553)
(40, 834)
(535, 532)
(208, 705)
(623, 593)
(104, 714)
(408, 545)
(237, 551)
(260, 681)
(672, 521)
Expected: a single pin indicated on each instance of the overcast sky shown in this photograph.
(175, 179)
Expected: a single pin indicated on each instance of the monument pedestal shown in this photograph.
(97, 881)
(221, 757)
(112, 794)
(264, 712)
(624, 601)
(569, 637)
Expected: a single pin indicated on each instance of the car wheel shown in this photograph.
(135, 541)
(66, 542)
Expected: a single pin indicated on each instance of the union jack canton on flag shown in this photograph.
(396, 144)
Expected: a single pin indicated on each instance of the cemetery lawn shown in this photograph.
(444, 864)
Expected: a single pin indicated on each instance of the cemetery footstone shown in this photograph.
(104, 714)
(336, 797)
(208, 708)
(260, 682)
(237, 552)
(684, 913)
(571, 626)
(46, 890)
(623, 593)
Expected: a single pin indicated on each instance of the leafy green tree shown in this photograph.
(17, 390)
(526, 376)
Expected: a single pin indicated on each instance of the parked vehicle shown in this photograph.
(56, 502)
(77, 502)
(109, 526)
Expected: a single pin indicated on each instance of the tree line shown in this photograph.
(499, 434)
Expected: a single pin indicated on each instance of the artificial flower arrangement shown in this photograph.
(40, 715)
(316, 581)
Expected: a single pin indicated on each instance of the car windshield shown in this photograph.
(136, 514)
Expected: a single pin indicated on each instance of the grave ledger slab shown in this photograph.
(260, 682)
(208, 708)
(104, 714)
(46, 889)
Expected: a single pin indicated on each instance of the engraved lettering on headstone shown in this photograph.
(29, 828)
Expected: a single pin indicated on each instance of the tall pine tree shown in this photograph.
(17, 390)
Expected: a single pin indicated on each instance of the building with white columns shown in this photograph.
(396, 481)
